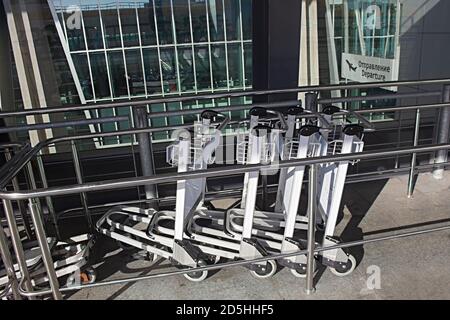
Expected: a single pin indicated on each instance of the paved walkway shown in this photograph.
(410, 268)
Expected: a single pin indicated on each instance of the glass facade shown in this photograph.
(366, 28)
(139, 49)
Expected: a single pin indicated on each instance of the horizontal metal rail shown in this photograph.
(237, 263)
(236, 192)
(381, 97)
(243, 107)
(62, 124)
(234, 94)
(12, 168)
(275, 105)
(215, 172)
(9, 145)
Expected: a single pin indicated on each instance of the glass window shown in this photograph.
(202, 66)
(247, 22)
(118, 74)
(164, 19)
(169, 69)
(195, 63)
(174, 120)
(219, 66)
(205, 104)
(135, 75)
(190, 118)
(248, 60)
(233, 23)
(100, 75)
(182, 21)
(147, 23)
(124, 125)
(128, 20)
(152, 74)
(82, 67)
(235, 69)
(93, 28)
(158, 122)
(108, 127)
(238, 115)
(216, 25)
(75, 36)
(110, 21)
(198, 12)
(186, 67)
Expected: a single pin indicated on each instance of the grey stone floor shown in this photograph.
(410, 268)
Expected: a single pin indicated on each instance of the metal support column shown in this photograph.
(43, 244)
(48, 200)
(443, 135)
(17, 244)
(79, 174)
(145, 150)
(412, 173)
(312, 206)
(31, 178)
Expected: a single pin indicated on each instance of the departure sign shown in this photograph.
(368, 69)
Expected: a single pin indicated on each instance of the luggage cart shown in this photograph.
(345, 138)
(260, 142)
(302, 139)
(163, 233)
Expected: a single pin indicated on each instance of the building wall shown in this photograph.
(425, 40)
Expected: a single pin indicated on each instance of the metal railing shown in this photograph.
(22, 161)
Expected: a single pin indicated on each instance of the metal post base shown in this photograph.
(310, 291)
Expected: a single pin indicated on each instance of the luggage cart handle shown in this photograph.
(263, 112)
(211, 114)
(324, 123)
(299, 112)
(368, 126)
(260, 130)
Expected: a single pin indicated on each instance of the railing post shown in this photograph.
(311, 245)
(443, 135)
(79, 174)
(9, 266)
(145, 149)
(17, 244)
(265, 191)
(48, 200)
(32, 181)
(43, 244)
(22, 209)
(412, 172)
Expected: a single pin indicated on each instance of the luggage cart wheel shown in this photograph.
(87, 276)
(345, 269)
(197, 276)
(215, 259)
(300, 272)
(269, 270)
